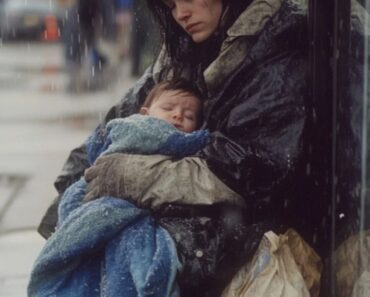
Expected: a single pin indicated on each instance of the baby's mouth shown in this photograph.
(177, 126)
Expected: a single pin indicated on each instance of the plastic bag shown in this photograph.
(362, 286)
(283, 266)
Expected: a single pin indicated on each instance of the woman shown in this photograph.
(250, 57)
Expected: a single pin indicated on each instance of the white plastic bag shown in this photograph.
(274, 270)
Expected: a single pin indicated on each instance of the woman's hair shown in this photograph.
(181, 49)
(172, 85)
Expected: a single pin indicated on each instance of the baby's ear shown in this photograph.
(143, 110)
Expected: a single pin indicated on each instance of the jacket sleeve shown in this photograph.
(77, 162)
(151, 181)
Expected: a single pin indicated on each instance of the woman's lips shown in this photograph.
(192, 28)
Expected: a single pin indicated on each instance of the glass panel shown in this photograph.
(350, 270)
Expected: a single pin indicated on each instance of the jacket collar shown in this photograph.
(240, 39)
(253, 19)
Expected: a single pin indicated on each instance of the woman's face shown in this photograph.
(199, 18)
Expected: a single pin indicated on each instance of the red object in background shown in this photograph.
(51, 32)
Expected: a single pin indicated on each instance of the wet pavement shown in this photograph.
(39, 124)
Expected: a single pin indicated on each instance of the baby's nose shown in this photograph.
(177, 115)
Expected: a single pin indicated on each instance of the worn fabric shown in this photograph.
(153, 180)
(239, 41)
(139, 134)
(107, 247)
(260, 122)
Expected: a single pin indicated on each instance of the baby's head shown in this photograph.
(177, 102)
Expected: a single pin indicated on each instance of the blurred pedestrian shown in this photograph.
(74, 42)
(145, 39)
(92, 41)
(124, 26)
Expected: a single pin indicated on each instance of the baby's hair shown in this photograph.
(171, 85)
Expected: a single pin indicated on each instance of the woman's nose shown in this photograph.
(182, 12)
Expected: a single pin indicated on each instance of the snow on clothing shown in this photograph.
(139, 134)
(109, 246)
(260, 123)
(139, 137)
(106, 248)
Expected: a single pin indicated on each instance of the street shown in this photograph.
(39, 124)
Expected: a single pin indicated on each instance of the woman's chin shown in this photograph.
(200, 37)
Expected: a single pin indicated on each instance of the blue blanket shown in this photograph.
(109, 247)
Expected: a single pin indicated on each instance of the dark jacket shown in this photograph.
(260, 119)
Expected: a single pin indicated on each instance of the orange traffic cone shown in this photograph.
(51, 32)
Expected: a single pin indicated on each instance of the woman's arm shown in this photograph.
(151, 181)
(261, 131)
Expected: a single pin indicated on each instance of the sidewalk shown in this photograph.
(37, 136)
(17, 253)
(39, 125)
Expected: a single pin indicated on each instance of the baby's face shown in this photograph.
(179, 108)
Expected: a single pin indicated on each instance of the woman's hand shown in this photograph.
(152, 180)
(105, 178)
